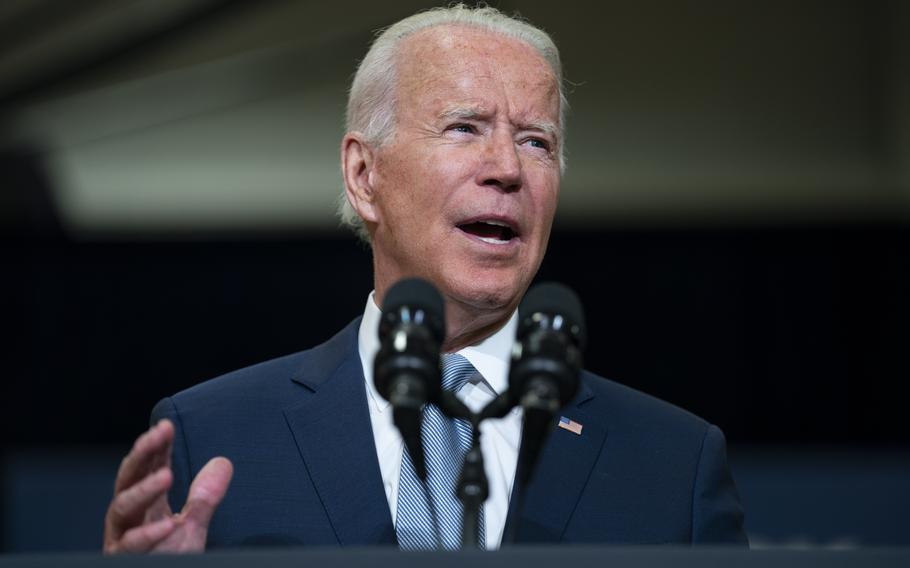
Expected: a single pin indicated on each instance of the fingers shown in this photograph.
(139, 519)
(143, 538)
(131, 505)
(140, 490)
(207, 491)
(151, 451)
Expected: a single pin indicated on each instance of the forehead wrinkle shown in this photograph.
(426, 63)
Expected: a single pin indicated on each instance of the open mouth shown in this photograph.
(490, 231)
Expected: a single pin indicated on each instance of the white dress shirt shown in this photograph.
(499, 438)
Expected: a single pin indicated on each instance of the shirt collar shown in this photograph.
(490, 357)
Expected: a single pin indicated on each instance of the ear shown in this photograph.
(357, 161)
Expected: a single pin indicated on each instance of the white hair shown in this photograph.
(371, 101)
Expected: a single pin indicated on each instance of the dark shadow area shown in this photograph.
(785, 335)
(27, 208)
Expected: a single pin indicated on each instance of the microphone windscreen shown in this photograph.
(419, 295)
(553, 298)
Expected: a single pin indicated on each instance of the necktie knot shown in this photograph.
(456, 370)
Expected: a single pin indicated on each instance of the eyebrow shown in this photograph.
(478, 113)
(464, 112)
(547, 128)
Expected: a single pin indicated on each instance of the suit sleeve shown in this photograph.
(180, 462)
(717, 515)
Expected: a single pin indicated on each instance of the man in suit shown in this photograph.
(451, 166)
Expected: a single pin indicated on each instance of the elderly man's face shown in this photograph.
(466, 190)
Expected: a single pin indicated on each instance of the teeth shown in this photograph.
(492, 241)
(497, 223)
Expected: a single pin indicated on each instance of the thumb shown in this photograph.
(207, 491)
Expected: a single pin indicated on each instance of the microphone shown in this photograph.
(546, 362)
(406, 369)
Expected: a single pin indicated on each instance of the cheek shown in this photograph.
(440, 169)
(425, 181)
(545, 199)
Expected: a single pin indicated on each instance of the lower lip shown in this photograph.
(492, 245)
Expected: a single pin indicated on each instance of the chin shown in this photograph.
(488, 292)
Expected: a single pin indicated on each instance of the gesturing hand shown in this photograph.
(139, 518)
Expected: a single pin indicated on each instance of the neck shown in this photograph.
(466, 325)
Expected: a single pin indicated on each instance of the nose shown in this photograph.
(502, 164)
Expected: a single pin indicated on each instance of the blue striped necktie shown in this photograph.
(445, 442)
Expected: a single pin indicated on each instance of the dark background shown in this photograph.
(785, 335)
(740, 244)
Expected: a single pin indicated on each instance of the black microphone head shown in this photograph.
(411, 332)
(546, 364)
(422, 304)
(558, 302)
(406, 368)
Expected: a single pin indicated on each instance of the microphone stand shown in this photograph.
(541, 406)
(473, 487)
(473, 490)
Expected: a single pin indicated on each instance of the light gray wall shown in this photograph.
(683, 113)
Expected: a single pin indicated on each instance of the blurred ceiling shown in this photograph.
(162, 117)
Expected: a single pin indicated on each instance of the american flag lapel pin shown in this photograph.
(570, 425)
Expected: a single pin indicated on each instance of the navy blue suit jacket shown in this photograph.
(298, 431)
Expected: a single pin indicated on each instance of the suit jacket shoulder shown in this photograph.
(652, 473)
(271, 380)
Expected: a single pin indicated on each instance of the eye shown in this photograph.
(465, 128)
(538, 143)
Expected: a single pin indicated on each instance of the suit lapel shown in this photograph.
(565, 464)
(331, 426)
